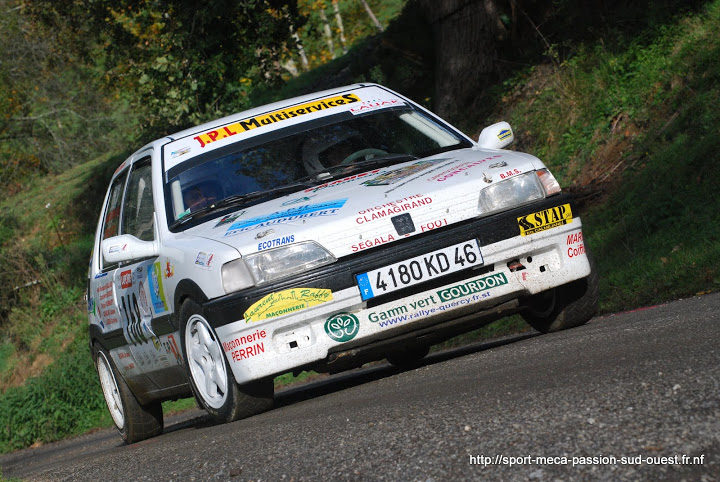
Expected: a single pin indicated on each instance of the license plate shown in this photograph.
(419, 269)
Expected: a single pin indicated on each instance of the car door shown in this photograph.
(141, 298)
(105, 289)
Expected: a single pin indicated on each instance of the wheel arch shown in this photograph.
(185, 289)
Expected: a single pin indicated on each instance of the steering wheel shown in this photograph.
(362, 153)
(201, 203)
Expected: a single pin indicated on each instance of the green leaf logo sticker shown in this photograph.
(342, 327)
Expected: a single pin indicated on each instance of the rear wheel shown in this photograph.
(210, 374)
(566, 306)
(134, 421)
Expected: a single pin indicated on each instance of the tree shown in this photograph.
(55, 112)
(185, 61)
(339, 22)
(372, 16)
(326, 28)
(466, 35)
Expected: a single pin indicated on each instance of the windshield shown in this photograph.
(300, 153)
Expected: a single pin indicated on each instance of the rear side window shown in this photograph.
(138, 211)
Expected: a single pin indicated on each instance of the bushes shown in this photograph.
(65, 400)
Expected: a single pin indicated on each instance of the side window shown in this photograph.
(111, 223)
(138, 209)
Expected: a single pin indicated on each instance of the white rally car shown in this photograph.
(319, 233)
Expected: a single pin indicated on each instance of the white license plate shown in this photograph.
(419, 269)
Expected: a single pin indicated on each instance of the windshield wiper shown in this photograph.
(239, 199)
(355, 166)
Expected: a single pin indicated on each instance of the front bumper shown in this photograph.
(514, 266)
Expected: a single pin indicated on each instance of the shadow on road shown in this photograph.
(378, 370)
(196, 419)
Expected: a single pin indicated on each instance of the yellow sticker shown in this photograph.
(286, 302)
(544, 220)
(273, 117)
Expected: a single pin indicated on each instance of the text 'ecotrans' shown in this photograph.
(273, 117)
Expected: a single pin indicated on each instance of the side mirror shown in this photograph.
(127, 247)
(496, 136)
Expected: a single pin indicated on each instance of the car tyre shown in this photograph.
(408, 357)
(210, 375)
(566, 306)
(134, 421)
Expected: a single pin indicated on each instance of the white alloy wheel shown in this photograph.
(110, 390)
(206, 362)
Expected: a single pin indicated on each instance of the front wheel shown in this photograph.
(566, 306)
(210, 375)
(135, 422)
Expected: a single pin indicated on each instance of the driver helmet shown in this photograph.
(200, 195)
(319, 149)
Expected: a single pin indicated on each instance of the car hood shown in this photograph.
(361, 211)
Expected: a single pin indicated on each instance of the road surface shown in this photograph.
(643, 385)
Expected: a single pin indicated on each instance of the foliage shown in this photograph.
(637, 129)
(356, 26)
(54, 115)
(55, 405)
(185, 62)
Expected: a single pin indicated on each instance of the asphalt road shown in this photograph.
(639, 384)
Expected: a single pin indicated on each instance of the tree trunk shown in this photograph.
(374, 19)
(300, 49)
(465, 34)
(326, 30)
(338, 20)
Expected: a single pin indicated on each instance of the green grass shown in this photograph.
(650, 110)
(65, 400)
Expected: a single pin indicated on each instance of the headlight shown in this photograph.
(517, 190)
(286, 261)
(236, 276)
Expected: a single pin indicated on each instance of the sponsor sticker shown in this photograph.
(204, 260)
(341, 181)
(397, 175)
(169, 269)
(277, 116)
(118, 248)
(230, 218)
(301, 212)
(392, 208)
(157, 294)
(286, 302)
(144, 306)
(277, 242)
(247, 345)
(180, 152)
(126, 279)
(472, 286)
(375, 104)
(460, 168)
(544, 220)
(575, 245)
(342, 327)
(297, 201)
